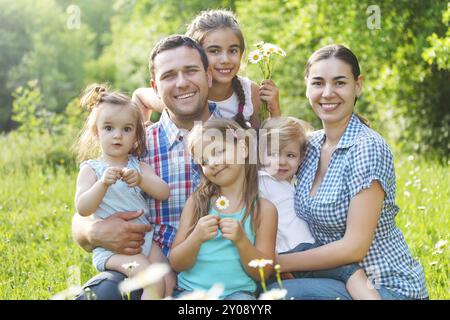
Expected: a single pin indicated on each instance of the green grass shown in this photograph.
(37, 251)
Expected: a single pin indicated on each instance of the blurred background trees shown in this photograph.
(403, 48)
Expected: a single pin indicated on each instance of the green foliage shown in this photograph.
(44, 64)
(405, 98)
(31, 114)
(403, 50)
(47, 50)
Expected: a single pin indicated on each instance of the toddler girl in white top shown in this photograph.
(283, 142)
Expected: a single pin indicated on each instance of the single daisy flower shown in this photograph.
(270, 48)
(255, 56)
(259, 263)
(222, 203)
(274, 294)
(212, 294)
(154, 273)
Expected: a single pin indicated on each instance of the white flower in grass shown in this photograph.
(274, 294)
(440, 247)
(68, 294)
(259, 263)
(440, 244)
(130, 266)
(255, 56)
(212, 294)
(154, 273)
(222, 203)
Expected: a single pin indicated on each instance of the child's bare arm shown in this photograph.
(186, 247)
(152, 184)
(147, 101)
(265, 238)
(89, 192)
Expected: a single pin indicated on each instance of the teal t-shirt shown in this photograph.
(218, 261)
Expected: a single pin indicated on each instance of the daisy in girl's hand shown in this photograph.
(222, 203)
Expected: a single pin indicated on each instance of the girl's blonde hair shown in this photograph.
(286, 130)
(211, 20)
(93, 98)
(206, 190)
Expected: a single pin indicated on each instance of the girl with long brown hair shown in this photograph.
(224, 224)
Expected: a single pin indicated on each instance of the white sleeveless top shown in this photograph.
(292, 230)
(229, 107)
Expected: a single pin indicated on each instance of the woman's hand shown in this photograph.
(268, 92)
(231, 229)
(206, 228)
(131, 177)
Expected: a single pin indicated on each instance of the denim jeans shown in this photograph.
(326, 289)
(342, 273)
(105, 286)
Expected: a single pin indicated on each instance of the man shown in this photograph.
(181, 79)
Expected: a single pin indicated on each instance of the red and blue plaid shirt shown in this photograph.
(171, 161)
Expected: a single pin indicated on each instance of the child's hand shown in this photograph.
(131, 177)
(111, 175)
(268, 92)
(207, 227)
(231, 229)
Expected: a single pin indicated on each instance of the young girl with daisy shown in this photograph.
(237, 97)
(224, 224)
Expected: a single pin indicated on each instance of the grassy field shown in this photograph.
(38, 257)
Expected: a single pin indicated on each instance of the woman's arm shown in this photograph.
(265, 238)
(186, 247)
(363, 215)
(152, 184)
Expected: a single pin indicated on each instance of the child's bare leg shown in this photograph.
(359, 289)
(115, 263)
(156, 255)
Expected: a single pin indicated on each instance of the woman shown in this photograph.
(346, 192)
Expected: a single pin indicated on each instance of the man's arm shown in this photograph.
(115, 233)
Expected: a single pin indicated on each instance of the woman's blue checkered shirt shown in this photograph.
(361, 157)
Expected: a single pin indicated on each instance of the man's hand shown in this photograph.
(118, 234)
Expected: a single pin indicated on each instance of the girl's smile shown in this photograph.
(222, 47)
